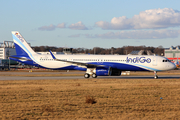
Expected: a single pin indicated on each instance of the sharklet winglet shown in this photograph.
(52, 54)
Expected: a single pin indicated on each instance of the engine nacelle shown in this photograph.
(102, 72)
(107, 72)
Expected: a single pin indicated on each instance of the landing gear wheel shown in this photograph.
(94, 75)
(86, 75)
(155, 77)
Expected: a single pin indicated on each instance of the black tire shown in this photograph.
(155, 77)
(94, 75)
(86, 75)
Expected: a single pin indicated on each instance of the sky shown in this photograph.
(92, 23)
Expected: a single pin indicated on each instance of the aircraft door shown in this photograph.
(154, 62)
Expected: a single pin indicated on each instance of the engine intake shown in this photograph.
(115, 72)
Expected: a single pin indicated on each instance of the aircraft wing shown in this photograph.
(88, 65)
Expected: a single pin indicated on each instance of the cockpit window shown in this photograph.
(166, 61)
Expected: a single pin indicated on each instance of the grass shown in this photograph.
(113, 99)
(90, 100)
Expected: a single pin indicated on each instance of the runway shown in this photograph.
(79, 75)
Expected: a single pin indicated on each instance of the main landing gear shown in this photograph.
(90, 72)
(94, 75)
(86, 75)
(155, 75)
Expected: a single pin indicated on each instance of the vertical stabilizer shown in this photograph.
(22, 47)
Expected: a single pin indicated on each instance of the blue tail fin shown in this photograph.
(22, 47)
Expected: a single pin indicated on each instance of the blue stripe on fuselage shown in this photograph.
(125, 66)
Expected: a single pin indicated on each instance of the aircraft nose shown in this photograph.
(172, 66)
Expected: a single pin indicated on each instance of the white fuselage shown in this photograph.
(150, 63)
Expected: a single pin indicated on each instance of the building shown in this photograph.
(67, 50)
(172, 52)
(7, 49)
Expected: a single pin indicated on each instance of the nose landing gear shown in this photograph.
(155, 75)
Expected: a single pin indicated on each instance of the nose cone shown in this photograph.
(172, 66)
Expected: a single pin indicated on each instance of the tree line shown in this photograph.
(104, 51)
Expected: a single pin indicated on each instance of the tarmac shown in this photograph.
(79, 73)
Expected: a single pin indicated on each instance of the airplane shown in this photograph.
(94, 65)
